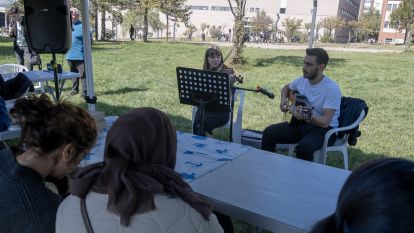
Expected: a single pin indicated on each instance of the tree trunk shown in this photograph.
(238, 41)
(175, 23)
(145, 36)
(96, 25)
(168, 25)
(406, 35)
(103, 27)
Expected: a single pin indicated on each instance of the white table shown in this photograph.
(42, 75)
(45, 76)
(196, 156)
(274, 192)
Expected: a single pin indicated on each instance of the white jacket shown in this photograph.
(172, 215)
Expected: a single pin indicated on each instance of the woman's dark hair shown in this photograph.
(47, 126)
(321, 55)
(212, 51)
(378, 197)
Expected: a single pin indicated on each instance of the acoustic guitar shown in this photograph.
(299, 105)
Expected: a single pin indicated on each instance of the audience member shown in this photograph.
(15, 87)
(378, 197)
(135, 188)
(55, 137)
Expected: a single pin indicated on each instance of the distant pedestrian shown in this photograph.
(25, 56)
(203, 36)
(131, 32)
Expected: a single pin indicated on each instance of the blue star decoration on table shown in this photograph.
(224, 159)
(199, 137)
(200, 145)
(222, 151)
(188, 152)
(187, 176)
(192, 164)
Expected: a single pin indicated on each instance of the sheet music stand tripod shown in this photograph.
(203, 88)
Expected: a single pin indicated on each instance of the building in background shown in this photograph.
(217, 14)
(367, 4)
(302, 9)
(387, 34)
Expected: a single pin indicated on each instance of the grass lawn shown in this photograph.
(135, 74)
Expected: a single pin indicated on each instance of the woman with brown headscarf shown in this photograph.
(135, 188)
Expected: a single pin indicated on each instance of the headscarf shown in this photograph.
(139, 161)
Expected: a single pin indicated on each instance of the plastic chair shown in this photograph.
(237, 119)
(12, 68)
(339, 145)
(16, 68)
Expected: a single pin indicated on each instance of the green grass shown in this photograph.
(135, 74)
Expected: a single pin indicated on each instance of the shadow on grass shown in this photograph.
(123, 90)
(296, 61)
(356, 158)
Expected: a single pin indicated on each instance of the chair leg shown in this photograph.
(291, 148)
(345, 156)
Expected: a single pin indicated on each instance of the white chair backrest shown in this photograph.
(12, 68)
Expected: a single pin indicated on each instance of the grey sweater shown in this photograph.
(26, 205)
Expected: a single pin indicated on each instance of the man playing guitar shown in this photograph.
(309, 124)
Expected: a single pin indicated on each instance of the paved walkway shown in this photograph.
(301, 47)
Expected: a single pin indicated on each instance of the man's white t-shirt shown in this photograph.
(325, 94)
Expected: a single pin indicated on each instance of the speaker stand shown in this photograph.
(55, 76)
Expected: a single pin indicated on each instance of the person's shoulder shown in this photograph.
(330, 82)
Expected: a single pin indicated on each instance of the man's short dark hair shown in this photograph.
(320, 54)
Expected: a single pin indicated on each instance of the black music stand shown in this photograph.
(203, 88)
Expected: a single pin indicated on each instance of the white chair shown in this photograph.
(16, 68)
(237, 119)
(12, 68)
(341, 144)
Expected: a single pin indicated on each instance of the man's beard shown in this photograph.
(311, 76)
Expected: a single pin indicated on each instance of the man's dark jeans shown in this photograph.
(308, 137)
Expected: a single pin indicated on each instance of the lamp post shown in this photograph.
(312, 32)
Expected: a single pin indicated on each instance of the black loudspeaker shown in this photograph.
(48, 25)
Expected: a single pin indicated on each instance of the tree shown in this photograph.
(329, 24)
(261, 22)
(238, 10)
(403, 17)
(176, 11)
(155, 22)
(203, 27)
(292, 26)
(370, 24)
(354, 28)
(190, 31)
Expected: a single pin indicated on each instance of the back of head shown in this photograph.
(378, 197)
(321, 55)
(46, 126)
